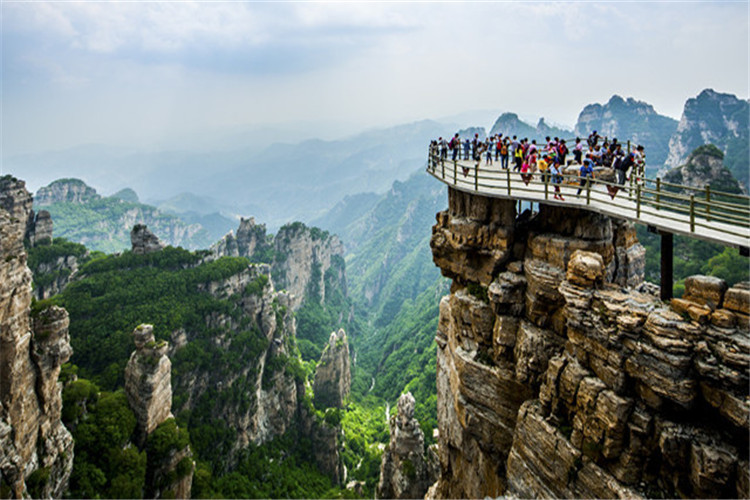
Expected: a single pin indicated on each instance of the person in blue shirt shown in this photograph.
(586, 174)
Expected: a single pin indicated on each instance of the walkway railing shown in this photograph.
(702, 213)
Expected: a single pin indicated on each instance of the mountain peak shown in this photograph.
(66, 191)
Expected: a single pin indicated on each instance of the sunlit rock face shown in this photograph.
(33, 440)
(557, 377)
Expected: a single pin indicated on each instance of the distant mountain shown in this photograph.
(299, 180)
(81, 215)
(510, 124)
(719, 119)
(128, 195)
(628, 119)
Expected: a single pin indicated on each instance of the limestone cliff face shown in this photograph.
(149, 390)
(148, 382)
(557, 378)
(406, 471)
(306, 260)
(270, 394)
(39, 228)
(250, 237)
(333, 377)
(36, 450)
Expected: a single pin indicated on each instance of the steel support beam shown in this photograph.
(667, 248)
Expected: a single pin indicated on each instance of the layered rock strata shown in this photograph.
(333, 375)
(407, 469)
(36, 450)
(557, 379)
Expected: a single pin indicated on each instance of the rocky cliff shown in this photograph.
(333, 378)
(305, 261)
(148, 382)
(558, 378)
(628, 119)
(714, 118)
(705, 166)
(407, 469)
(36, 450)
(272, 393)
(149, 390)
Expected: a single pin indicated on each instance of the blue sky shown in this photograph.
(136, 73)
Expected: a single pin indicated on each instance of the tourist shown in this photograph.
(454, 145)
(586, 174)
(578, 151)
(623, 166)
(488, 148)
(503, 148)
(562, 151)
(554, 170)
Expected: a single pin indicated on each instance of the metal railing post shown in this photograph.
(708, 202)
(638, 201)
(546, 187)
(588, 190)
(692, 213)
(476, 178)
(658, 192)
(443, 168)
(455, 174)
(508, 175)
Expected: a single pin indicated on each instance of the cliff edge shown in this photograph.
(558, 376)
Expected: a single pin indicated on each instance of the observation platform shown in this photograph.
(665, 208)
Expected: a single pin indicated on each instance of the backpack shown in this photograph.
(504, 149)
(452, 144)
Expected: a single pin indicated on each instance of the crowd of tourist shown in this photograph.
(551, 158)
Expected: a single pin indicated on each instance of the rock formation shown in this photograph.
(148, 382)
(406, 470)
(144, 241)
(149, 390)
(705, 166)
(557, 379)
(36, 450)
(333, 377)
(39, 228)
(250, 238)
(306, 262)
(270, 394)
(66, 191)
(713, 118)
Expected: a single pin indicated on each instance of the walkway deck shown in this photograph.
(708, 215)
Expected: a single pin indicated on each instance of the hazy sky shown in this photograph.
(134, 73)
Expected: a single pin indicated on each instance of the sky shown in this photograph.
(134, 73)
